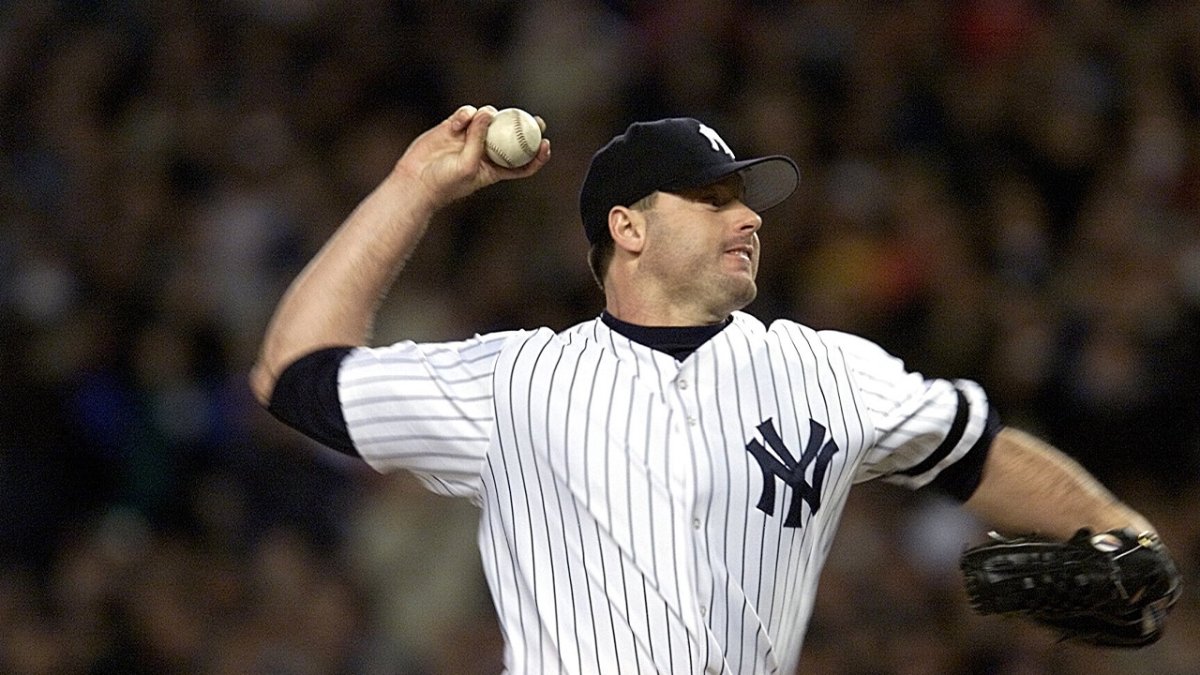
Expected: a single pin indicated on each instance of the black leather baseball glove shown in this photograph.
(1112, 589)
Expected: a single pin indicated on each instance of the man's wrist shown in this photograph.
(422, 200)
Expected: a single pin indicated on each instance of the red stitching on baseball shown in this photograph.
(496, 151)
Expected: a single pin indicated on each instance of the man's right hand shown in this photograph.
(449, 162)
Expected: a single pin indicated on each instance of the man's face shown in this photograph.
(702, 248)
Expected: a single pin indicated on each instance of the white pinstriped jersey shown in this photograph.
(642, 514)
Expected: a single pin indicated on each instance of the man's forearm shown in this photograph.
(334, 299)
(1029, 486)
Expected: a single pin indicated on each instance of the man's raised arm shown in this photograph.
(334, 299)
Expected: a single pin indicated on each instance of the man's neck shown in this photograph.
(676, 341)
(647, 314)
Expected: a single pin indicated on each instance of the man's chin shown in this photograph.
(743, 296)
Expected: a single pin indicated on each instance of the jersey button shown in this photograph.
(695, 523)
(703, 610)
(683, 384)
(691, 421)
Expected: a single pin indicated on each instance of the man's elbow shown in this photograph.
(262, 383)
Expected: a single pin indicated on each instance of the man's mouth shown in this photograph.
(744, 252)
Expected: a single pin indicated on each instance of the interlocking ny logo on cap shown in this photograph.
(713, 137)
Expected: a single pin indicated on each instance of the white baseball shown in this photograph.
(513, 138)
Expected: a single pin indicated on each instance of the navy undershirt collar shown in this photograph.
(677, 341)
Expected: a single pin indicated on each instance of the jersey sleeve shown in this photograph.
(423, 407)
(928, 431)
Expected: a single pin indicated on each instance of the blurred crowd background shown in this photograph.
(1006, 190)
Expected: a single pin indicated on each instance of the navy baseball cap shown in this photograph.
(671, 155)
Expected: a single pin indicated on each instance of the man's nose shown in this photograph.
(748, 219)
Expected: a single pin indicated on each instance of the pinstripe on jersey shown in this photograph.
(620, 527)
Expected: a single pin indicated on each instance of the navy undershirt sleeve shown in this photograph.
(960, 479)
(306, 398)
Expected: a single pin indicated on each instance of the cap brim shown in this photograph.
(766, 180)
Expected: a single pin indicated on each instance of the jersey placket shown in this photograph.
(683, 396)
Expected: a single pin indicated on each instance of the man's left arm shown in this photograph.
(1028, 486)
(1081, 563)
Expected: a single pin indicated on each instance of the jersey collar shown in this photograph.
(676, 341)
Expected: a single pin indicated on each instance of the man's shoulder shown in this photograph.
(777, 326)
(584, 331)
(583, 327)
(518, 346)
(848, 343)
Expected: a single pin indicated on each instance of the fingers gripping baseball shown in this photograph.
(477, 125)
(449, 160)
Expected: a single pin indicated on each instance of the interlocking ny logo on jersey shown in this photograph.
(819, 450)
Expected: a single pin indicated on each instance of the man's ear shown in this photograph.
(628, 228)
